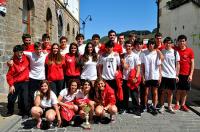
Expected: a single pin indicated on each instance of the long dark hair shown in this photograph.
(77, 56)
(47, 94)
(98, 91)
(91, 92)
(70, 83)
(85, 57)
(54, 58)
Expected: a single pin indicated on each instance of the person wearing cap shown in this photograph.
(170, 70)
(17, 79)
(151, 66)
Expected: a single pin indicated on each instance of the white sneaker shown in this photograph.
(170, 110)
(162, 109)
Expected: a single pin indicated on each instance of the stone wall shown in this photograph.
(11, 28)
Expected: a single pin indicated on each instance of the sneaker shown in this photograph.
(137, 114)
(170, 110)
(154, 111)
(162, 109)
(24, 117)
(184, 108)
(112, 118)
(176, 107)
(122, 111)
(51, 126)
(9, 113)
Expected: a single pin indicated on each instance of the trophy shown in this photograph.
(86, 125)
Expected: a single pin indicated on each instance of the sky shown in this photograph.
(119, 15)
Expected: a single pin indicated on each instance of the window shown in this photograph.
(73, 32)
(28, 6)
(68, 29)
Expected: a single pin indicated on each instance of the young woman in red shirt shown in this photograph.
(55, 63)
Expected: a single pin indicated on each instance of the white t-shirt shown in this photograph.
(110, 63)
(151, 63)
(89, 71)
(132, 60)
(48, 103)
(66, 50)
(80, 95)
(67, 97)
(37, 65)
(81, 49)
(168, 65)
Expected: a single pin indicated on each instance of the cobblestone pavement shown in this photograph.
(179, 122)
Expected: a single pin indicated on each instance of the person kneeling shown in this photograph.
(45, 105)
(104, 99)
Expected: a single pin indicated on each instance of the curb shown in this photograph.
(8, 124)
(193, 110)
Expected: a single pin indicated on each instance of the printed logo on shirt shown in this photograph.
(109, 59)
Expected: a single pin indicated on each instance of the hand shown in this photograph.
(190, 78)
(143, 80)
(159, 80)
(70, 107)
(177, 79)
(59, 122)
(11, 89)
(10, 63)
(135, 80)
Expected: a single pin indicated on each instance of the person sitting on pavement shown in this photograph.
(46, 104)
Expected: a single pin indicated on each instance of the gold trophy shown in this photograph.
(87, 124)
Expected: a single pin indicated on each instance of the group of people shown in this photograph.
(59, 81)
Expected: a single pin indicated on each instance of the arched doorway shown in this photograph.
(28, 8)
(60, 26)
(49, 22)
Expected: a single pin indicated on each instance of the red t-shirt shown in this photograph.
(117, 48)
(186, 56)
(71, 68)
(161, 47)
(55, 71)
(29, 48)
(108, 96)
(19, 72)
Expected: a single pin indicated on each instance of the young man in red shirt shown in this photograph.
(17, 78)
(185, 73)
(112, 35)
(27, 45)
(159, 43)
(46, 44)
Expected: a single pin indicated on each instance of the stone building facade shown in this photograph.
(183, 17)
(35, 17)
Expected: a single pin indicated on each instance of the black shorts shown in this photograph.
(45, 110)
(168, 83)
(183, 83)
(152, 83)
